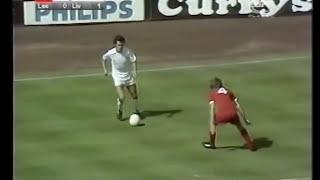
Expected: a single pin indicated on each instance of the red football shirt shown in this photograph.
(223, 100)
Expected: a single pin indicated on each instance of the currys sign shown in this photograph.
(184, 8)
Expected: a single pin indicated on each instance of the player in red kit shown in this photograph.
(225, 108)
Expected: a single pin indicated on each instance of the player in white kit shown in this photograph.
(124, 72)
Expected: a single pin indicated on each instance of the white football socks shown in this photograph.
(119, 104)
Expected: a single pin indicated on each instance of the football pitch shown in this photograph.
(66, 128)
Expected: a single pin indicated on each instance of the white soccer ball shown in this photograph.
(134, 119)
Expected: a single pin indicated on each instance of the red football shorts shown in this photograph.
(227, 117)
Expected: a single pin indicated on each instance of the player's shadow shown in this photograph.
(139, 125)
(261, 142)
(150, 113)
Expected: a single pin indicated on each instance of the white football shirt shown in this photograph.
(121, 62)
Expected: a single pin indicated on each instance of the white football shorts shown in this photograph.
(123, 81)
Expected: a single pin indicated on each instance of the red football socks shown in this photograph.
(246, 137)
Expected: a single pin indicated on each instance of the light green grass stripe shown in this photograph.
(172, 68)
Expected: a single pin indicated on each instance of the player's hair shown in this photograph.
(216, 83)
(119, 38)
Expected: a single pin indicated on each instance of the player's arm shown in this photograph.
(133, 58)
(104, 64)
(241, 112)
(134, 68)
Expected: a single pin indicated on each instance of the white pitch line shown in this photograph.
(169, 68)
(302, 178)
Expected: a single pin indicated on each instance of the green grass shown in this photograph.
(66, 128)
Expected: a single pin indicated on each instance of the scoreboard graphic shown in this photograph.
(72, 4)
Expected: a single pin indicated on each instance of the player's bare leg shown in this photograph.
(212, 136)
(244, 133)
(134, 95)
(120, 101)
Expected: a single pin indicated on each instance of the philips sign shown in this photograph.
(114, 11)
